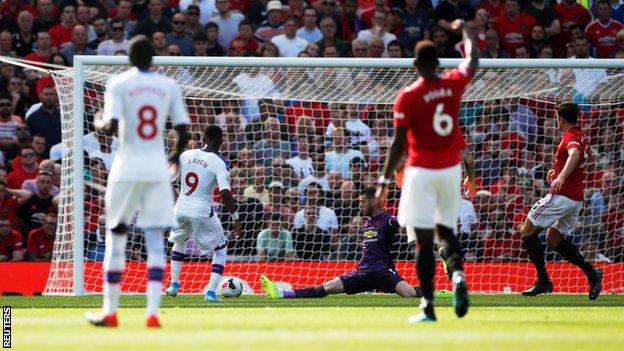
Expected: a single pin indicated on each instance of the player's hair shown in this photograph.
(569, 111)
(141, 52)
(213, 132)
(368, 193)
(426, 55)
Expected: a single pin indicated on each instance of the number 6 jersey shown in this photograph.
(141, 101)
(430, 112)
(200, 172)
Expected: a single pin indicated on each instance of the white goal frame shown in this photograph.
(81, 61)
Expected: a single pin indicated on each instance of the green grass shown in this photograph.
(362, 322)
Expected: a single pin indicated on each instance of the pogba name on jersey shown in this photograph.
(438, 94)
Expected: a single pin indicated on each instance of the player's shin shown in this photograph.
(114, 260)
(425, 264)
(451, 248)
(571, 253)
(218, 267)
(535, 250)
(313, 292)
(155, 264)
(178, 254)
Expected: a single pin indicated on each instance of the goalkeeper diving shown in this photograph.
(375, 271)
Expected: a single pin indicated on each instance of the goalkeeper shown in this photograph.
(375, 271)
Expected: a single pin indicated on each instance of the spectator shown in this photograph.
(545, 16)
(60, 34)
(302, 163)
(22, 139)
(617, 12)
(24, 39)
(30, 185)
(602, 32)
(347, 116)
(359, 48)
(207, 9)
(310, 31)
(159, 42)
(228, 22)
(8, 203)
(415, 25)
(538, 40)
(273, 25)
(78, 45)
(41, 240)
(326, 219)
(33, 208)
(271, 146)
(83, 16)
(619, 45)
(289, 44)
(514, 27)
(8, 121)
(213, 47)
(570, 13)
(193, 27)
(6, 43)
(200, 44)
(155, 22)
(116, 42)
(347, 205)
(339, 159)
(124, 13)
(246, 37)
(312, 242)
(396, 49)
(378, 30)
(38, 143)
(28, 169)
(11, 247)
(443, 46)
(328, 28)
(275, 243)
(318, 177)
(330, 51)
(546, 52)
(251, 214)
(258, 190)
(522, 52)
(494, 8)
(179, 36)
(43, 50)
(376, 48)
(7, 22)
(277, 204)
(100, 28)
(45, 16)
(47, 119)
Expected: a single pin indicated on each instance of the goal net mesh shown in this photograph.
(302, 143)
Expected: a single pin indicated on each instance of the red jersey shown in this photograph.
(493, 11)
(569, 16)
(34, 56)
(573, 187)
(430, 112)
(59, 35)
(513, 33)
(16, 178)
(39, 244)
(602, 37)
(10, 244)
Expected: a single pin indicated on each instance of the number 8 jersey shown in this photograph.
(141, 102)
(200, 173)
(430, 112)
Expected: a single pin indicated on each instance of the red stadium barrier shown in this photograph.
(28, 278)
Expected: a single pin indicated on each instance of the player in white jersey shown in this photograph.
(137, 103)
(201, 170)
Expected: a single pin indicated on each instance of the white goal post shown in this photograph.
(367, 87)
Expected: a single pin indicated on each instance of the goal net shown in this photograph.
(303, 141)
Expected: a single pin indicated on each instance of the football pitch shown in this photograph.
(362, 322)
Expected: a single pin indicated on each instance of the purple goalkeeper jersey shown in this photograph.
(379, 234)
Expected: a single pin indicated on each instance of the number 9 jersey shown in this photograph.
(141, 102)
(430, 112)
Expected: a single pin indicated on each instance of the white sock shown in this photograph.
(155, 263)
(114, 261)
(176, 266)
(218, 266)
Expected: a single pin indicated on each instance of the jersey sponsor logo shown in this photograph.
(438, 94)
(370, 234)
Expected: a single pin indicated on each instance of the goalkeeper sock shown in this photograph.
(177, 258)
(218, 266)
(534, 248)
(313, 292)
(451, 249)
(155, 263)
(114, 261)
(571, 253)
(425, 266)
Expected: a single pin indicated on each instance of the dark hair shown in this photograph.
(244, 22)
(213, 132)
(141, 52)
(41, 31)
(275, 217)
(606, 2)
(200, 36)
(356, 161)
(575, 26)
(27, 147)
(4, 95)
(310, 8)
(569, 111)
(368, 193)
(426, 54)
(39, 135)
(399, 43)
(66, 6)
(211, 25)
(116, 20)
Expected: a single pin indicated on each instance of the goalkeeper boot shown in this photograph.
(211, 296)
(461, 302)
(595, 283)
(539, 288)
(172, 290)
(152, 321)
(270, 288)
(99, 319)
(426, 316)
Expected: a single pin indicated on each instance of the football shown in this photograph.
(231, 287)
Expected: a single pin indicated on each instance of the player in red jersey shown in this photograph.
(426, 115)
(602, 31)
(558, 211)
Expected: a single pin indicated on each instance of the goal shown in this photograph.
(303, 136)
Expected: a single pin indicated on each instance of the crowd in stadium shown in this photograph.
(297, 168)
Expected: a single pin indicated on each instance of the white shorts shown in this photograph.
(430, 197)
(152, 200)
(208, 231)
(556, 211)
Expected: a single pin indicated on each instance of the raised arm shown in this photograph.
(470, 44)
